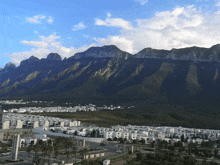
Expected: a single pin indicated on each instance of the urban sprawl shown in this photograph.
(106, 142)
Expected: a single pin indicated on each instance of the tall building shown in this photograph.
(15, 144)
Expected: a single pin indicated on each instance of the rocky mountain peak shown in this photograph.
(190, 53)
(9, 66)
(54, 56)
(33, 58)
(101, 52)
(217, 46)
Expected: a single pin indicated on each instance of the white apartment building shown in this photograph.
(108, 134)
(125, 135)
(133, 136)
(117, 135)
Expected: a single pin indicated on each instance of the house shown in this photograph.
(19, 124)
(35, 124)
(108, 134)
(46, 124)
(133, 136)
(27, 141)
(124, 135)
(161, 135)
(42, 137)
(116, 134)
(5, 125)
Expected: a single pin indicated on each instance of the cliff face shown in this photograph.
(193, 54)
(107, 73)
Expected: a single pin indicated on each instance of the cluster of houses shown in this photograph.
(26, 141)
(16, 121)
(147, 133)
(19, 102)
(89, 107)
(128, 133)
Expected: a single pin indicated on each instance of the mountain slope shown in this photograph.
(108, 74)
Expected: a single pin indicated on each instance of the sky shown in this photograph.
(39, 27)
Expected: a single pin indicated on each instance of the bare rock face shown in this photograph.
(102, 52)
(54, 56)
(9, 66)
(29, 61)
(191, 53)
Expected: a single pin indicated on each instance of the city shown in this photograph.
(28, 130)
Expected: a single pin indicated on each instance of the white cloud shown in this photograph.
(178, 28)
(218, 3)
(181, 27)
(78, 26)
(36, 19)
(86, 36)
(115, 22)
(39, 44)
(121, 42)
(36, 32)
(45, 46)
(50, 20)
(109, 15)
(142, 2)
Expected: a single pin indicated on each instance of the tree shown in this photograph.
(57, 150)
(50, 150)
(189, 160)
(84, 152)
(57, 153)
(182, 138)
(121, 140)
(29, 148)
(7, 135)
(68, 154)
(44, 149)
(25, 144)
(74, 151)
(115, 139)
(36, 160)
(216, 152)
(139, 156)
(40, 142)
(142, 141)
(109, 139)
(36, 149)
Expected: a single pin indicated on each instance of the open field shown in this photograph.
(166, 115)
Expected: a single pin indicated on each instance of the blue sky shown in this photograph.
(38, 27)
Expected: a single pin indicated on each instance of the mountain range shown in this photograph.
(109, 75)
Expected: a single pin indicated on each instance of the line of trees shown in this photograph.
(53, 148)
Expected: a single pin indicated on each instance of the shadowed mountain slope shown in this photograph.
(109, 74)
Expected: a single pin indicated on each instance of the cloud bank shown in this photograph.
(181, 27)
(45, 46)
(178, 28)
